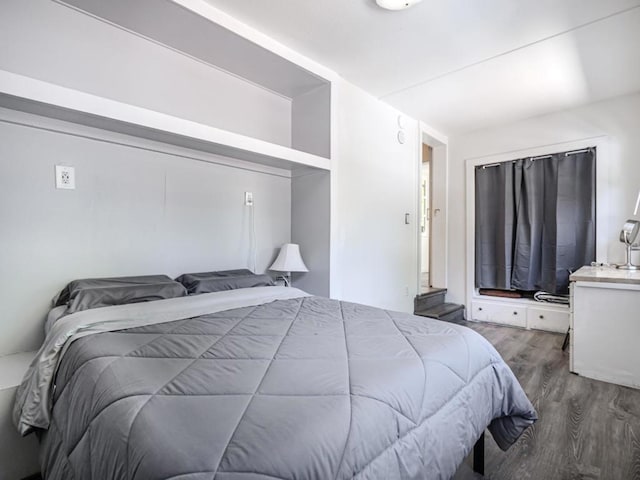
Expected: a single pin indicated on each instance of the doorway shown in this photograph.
(431, 204)
(425, 218)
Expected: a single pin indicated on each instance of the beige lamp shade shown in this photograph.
(289, 259)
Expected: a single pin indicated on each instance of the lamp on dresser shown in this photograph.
(288, 260)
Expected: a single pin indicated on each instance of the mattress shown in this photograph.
(281, 386)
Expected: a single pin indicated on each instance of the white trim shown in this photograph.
(434, 137)
(335, 280)
(609, 285)
(603, 162)
(417, 232)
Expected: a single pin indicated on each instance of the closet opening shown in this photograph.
(535, 223)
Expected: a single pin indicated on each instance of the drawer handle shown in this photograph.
(515, 313)
(541, 317)
(480, 308)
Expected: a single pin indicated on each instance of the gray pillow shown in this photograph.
(103, 292)
(207, 282)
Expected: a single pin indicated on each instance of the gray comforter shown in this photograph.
(300, 388)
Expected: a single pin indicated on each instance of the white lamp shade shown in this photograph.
(289, 259)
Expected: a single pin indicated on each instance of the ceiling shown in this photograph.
(461, 65)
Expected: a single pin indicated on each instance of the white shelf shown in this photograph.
(26, 94)
(13, 368)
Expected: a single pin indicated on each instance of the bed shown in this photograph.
(263, 383)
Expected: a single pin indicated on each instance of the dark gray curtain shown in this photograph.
(552, 219)
(535, 224)
(576, 215)
(495, 225)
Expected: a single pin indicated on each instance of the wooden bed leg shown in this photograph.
(478, 455)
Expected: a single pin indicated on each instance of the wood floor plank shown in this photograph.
(587, 429)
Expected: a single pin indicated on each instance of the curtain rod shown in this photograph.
(489, 165)
(540, 157)
(578, 151)
(566, 154)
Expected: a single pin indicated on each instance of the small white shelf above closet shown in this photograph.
(26, 94)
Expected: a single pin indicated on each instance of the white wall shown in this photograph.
(48, 41)
(375, 182)
(311, 122)
(618, 119)
(310, 228)
(135, 211)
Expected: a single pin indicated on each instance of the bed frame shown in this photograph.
(478, 455)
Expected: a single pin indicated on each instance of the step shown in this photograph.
(430, 299)
(432, 291)
(448, 312)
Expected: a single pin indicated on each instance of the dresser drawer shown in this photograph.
(506, 314)
(548, 319)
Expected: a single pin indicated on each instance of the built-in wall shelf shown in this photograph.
(30, 95)
(249, 89)
(13, 368)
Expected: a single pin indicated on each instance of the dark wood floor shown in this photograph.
(587, 429)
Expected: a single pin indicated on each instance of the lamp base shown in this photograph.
(628, 266)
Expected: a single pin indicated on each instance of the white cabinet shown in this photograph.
(605, 326)
(507, 314)
(521, 313)
(548, 318)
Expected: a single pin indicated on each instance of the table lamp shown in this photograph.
(288, 260)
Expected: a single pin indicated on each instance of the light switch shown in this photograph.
(65, 177)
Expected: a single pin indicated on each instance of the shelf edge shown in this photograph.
(30, 95)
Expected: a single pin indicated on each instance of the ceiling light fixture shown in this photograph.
(396, 4)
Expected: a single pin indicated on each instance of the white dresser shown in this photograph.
(605, 325)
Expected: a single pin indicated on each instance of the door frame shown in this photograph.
(439, 179)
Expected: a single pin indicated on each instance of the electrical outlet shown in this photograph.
(248, 199)
(65, 177)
